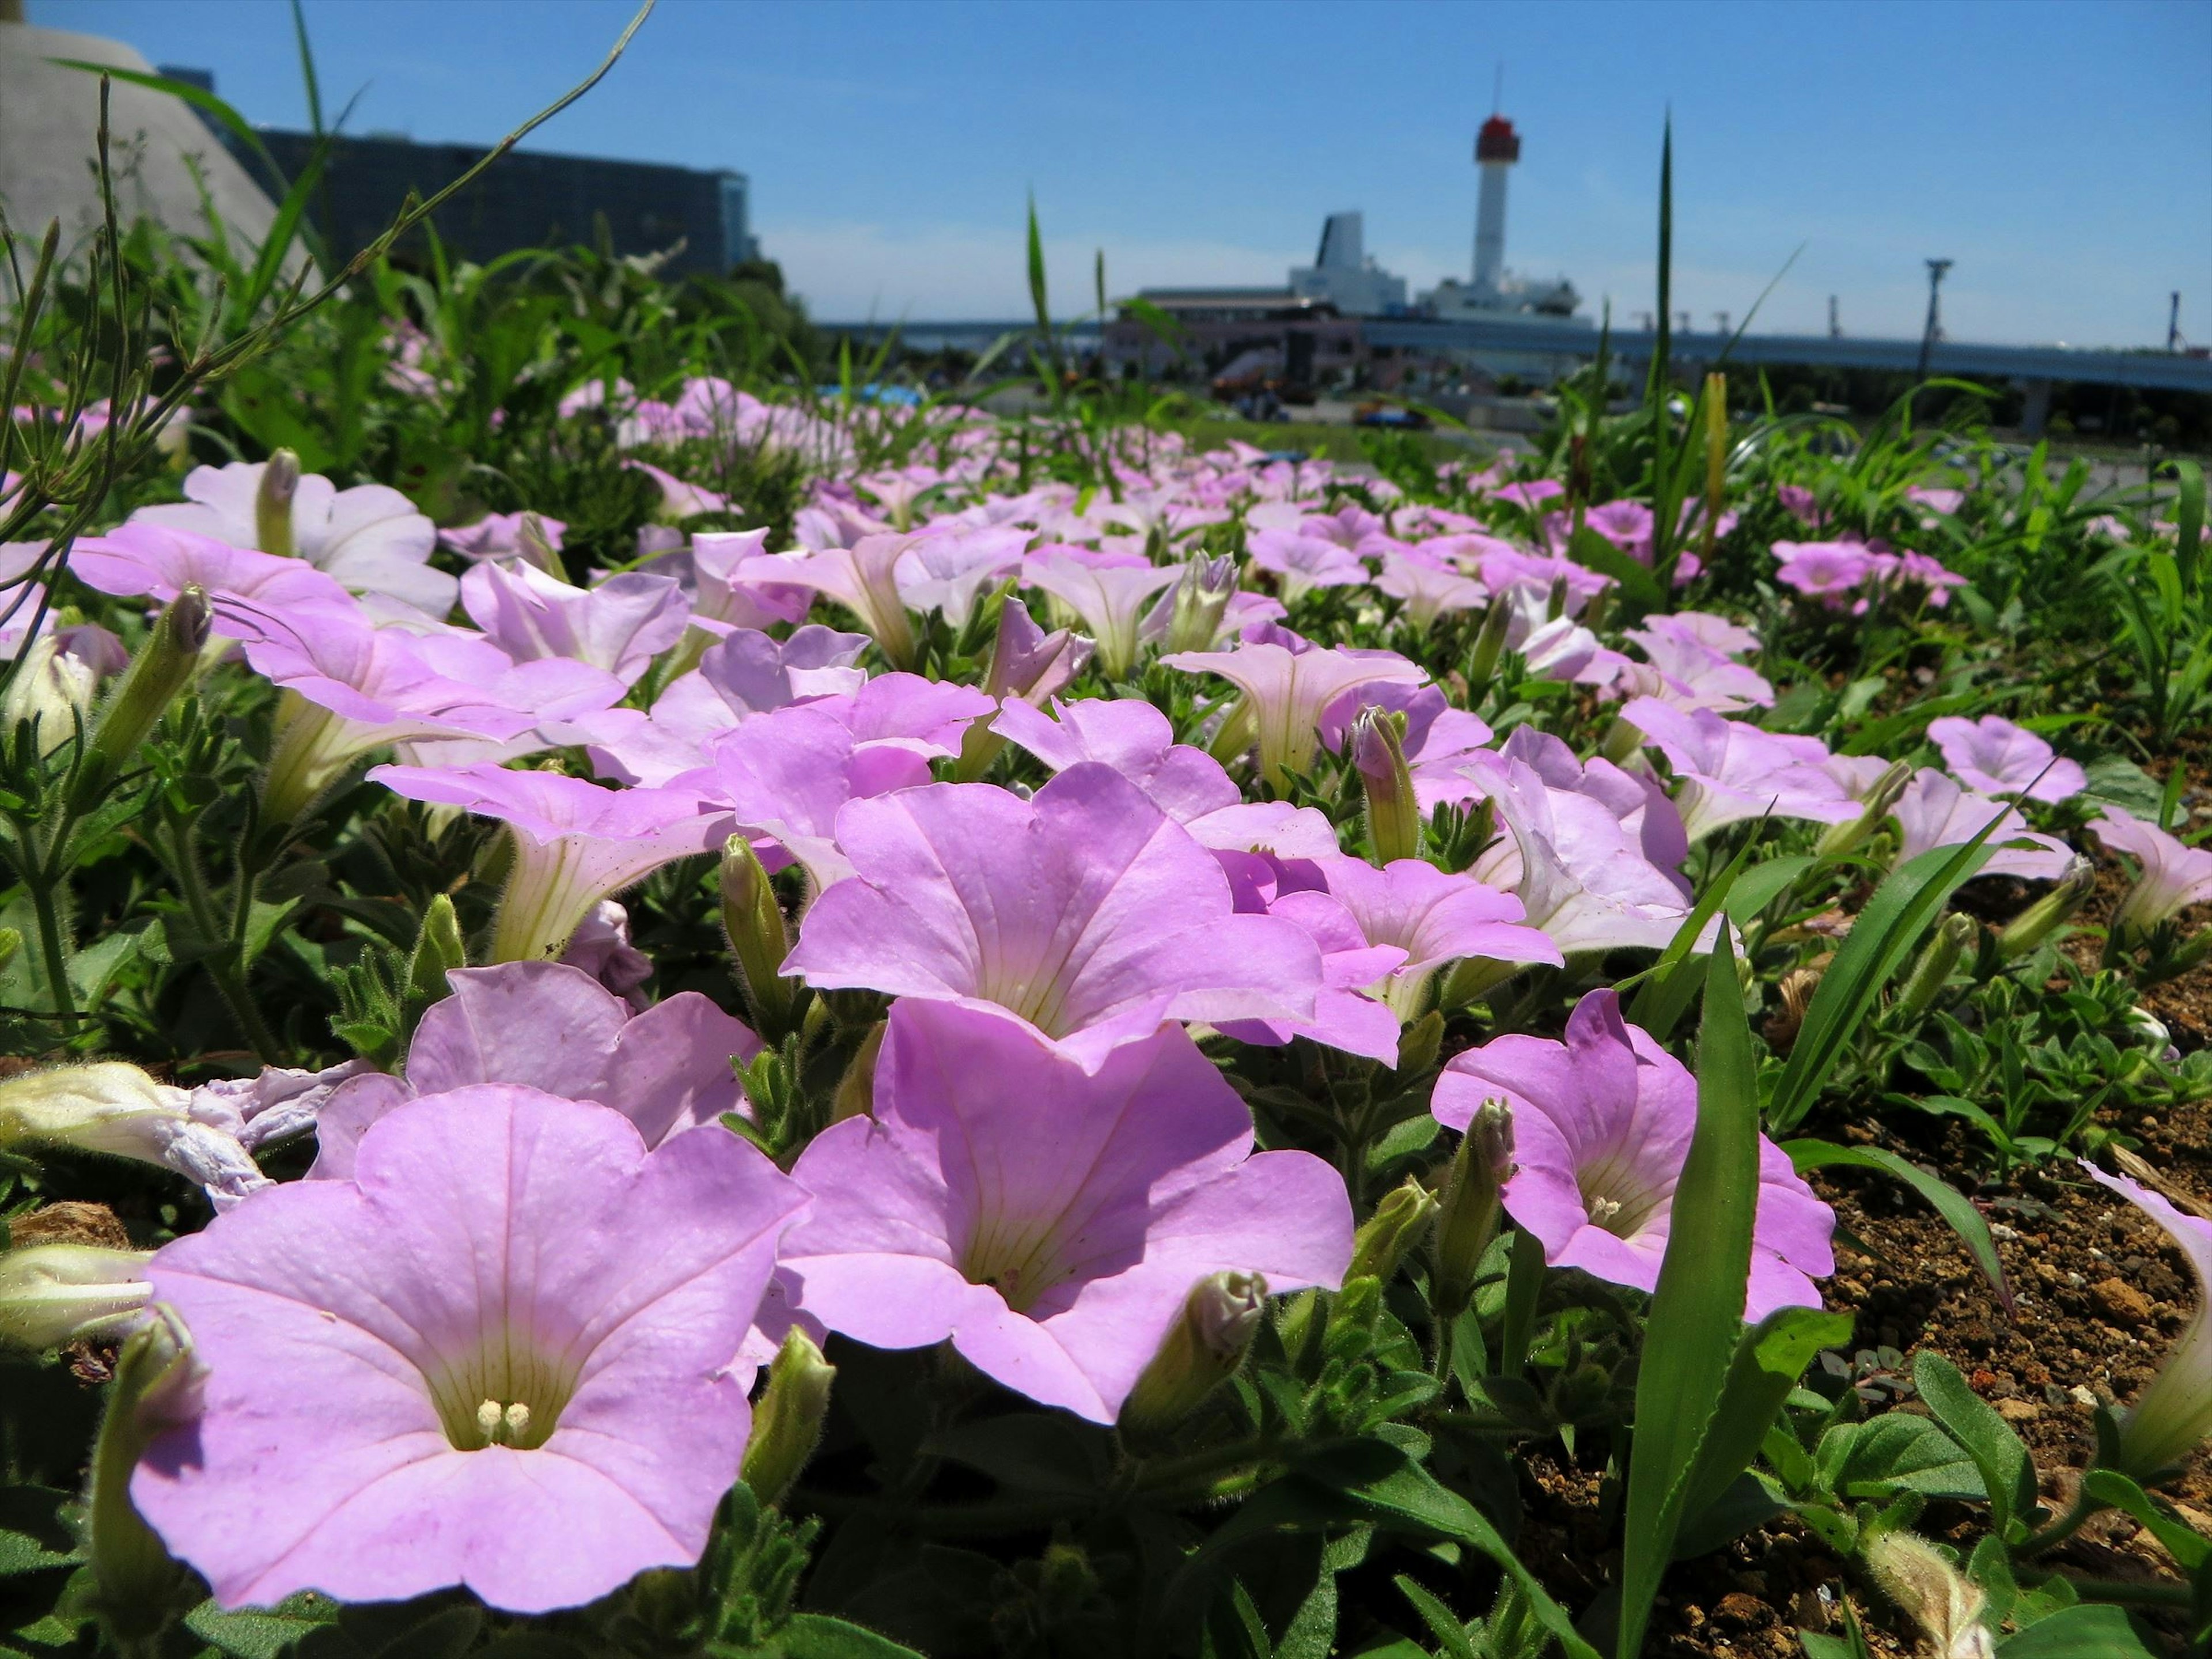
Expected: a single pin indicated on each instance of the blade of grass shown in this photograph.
(1889, 927)
(1947, 1200)
(1691, 1333)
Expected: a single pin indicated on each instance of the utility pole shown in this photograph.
(1934, 331)
(2173, 323)
(1835, 321)
(1722, 318)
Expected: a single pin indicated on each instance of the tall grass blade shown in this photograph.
(1690, 1337)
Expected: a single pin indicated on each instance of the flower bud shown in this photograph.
(1938, 958)
(1467, 1218)
(113, 1107)
(787, 1422)
(53, 1295)
(753, 921)
(1555, 603)
(537, 548)
(1942, 1601)
(163, 666)
(52, 686)
(438, 950)
(1201, 1351)
(2049, 913)
(1471, 977)
(1489, 645)
(1201, 599)
(157, 1386)
(1027, 663)
(272, 504)
(1839, 838)
(1396, 1226)
(1393, 816)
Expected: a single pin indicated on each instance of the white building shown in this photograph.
(1494, 293)
(1345, 275)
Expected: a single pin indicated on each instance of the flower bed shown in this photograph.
(794, 1025)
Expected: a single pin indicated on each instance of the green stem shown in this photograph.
(222, 964)
(2119, 1590)
(53, 947)
(2063, 1528)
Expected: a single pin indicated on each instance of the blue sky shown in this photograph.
(2060, 152)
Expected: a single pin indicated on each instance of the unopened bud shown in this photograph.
(53, 687)
(1201, 1351)
(1840, 838)
(1393, 816)
(157, 1387)
(1931, 1590)
(1398, 1224)
(1471, 977)
(1938, 958)
(787, 1422)
(1201, 597)
(1555, 603)
(2049, 913)
(1489, 645)
(856, 1090)
(537, 547)
(438, 950)
(164, 666)
(1467, 1218)
(753, 921)
(272, 504)
(51, 1295)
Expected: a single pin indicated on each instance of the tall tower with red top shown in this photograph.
(1497, 148)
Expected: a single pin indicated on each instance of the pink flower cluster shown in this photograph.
(504, 1336)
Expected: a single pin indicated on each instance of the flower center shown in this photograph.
(1020, 1267)
(506, 1393)
(1618, 1196)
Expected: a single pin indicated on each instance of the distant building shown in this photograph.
(526, 199)
(1347, 276)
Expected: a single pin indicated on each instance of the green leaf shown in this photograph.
(2079, 1632)
(2190, 1548)
(1769, 1359)
(1948, 1201)
(1897, 1452)
(2188, 518)
(34, 1535)
(260, 1635)
(1760, 886)
(2007, 1473)
(1887, 929)
(1690, 1337)
(1443, 1624)
(1665, 995)
(818, 1636)
(1586, 547)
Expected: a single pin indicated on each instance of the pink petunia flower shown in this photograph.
(1602, 1125)
(1730, 770)
(1048, 1219)
(2170, 875)
(1286, 692)
(1302, 563)
(620, 626)
(1111, 599)
(1935, 811)
(550, 1026)
(1995, 757)
(499, 1355)
(1086, 910)
(370, 538)
(574, 843)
